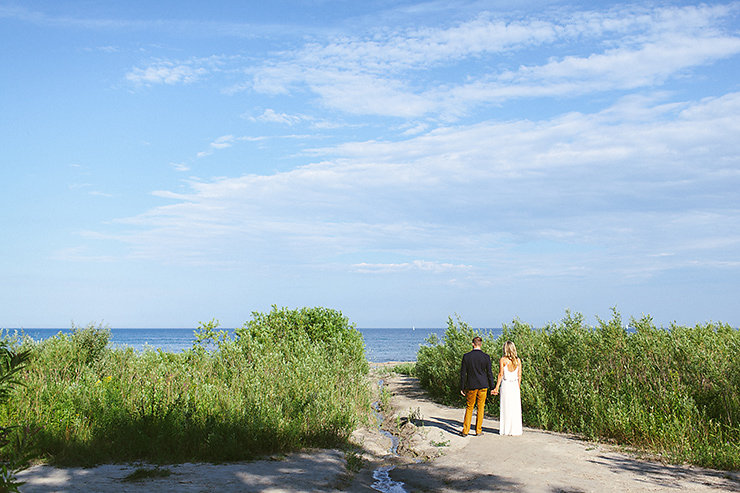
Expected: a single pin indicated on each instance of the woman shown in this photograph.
(510, 381)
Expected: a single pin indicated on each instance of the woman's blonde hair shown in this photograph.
(510, 351)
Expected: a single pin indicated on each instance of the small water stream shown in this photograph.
(381, 475)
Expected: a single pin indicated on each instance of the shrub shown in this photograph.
(288, 379)
(438, 362)
(11, 364)
(673, 391)
(408, 369)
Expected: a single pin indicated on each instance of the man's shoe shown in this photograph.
(463, 434)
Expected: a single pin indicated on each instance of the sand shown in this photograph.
(537, 461)
(318, 470)
(433, 457)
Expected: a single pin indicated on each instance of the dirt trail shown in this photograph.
(434, 457)
(537, 461)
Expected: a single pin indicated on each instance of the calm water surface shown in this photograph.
(381, 345)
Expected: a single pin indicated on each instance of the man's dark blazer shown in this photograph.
(475, 371)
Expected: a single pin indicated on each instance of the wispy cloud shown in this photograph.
(636, 47)
(181, 27)
(383, 72)
(572, 195)
(180, 167)
(271, 116)
(166, 72)
(187, 71)
(104, 49)
(419, 265)
(98, 193)
(226, 141)
(223, 142)
(384, 152)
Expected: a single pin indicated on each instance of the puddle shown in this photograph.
(381, 475)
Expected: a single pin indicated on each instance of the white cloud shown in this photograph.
(223, 142)
(419, 265)
(226, 141)
(180, 167)
(171, 72)
(165, 73)
(415, 129)
(104, 49)
(526, 158)
(372, 74)
(627, 68)
(567, 196)
(271, 116)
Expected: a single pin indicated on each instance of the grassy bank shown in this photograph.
(287, 379)
(671, 391)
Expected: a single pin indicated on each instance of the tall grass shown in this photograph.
(672, 391)
(288, 379)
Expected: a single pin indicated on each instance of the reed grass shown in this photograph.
(286, 380)
(407, 368)
(672, 392)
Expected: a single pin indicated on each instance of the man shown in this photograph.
(476, 378)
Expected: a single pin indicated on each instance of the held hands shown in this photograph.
(494, 391)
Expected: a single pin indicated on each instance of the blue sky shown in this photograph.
(165, 163)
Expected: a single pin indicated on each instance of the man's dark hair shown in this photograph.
(477, 340)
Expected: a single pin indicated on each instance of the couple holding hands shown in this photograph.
(476, 377)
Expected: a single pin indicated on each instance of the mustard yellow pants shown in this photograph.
(474, 396)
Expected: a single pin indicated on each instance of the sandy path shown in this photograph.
(320, 470)
(535, 462)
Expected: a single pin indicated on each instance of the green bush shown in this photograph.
(673, 391)
(288, 379)
(11, 364)
(438, 362)
(408, 369)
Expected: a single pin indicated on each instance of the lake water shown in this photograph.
(381, 345)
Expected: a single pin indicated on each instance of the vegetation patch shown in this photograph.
(286, 380)
(355, 462)
(674, 392)
(408, 369)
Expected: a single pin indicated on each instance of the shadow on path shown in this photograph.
(422, 477)
(409, 387)
(667, 476)
(452, 425)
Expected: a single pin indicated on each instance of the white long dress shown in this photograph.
(511, 404)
